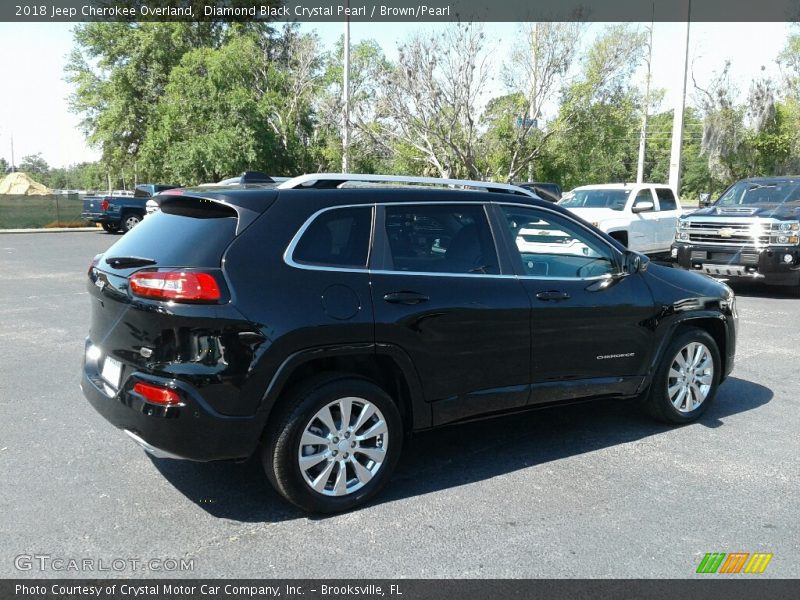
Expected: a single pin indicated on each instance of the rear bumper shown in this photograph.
(767, 265)
(192, 431)
(99, 218)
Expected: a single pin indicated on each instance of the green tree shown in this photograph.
(120, 70)
(368, 150)
(592, 137)
(428, 106)
(539, 66)
(695, 176)
(240, 106)
(724, 128)
(34, 164)
(601, 145)
(4, 166)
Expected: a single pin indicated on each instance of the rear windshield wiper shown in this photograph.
(122, 262)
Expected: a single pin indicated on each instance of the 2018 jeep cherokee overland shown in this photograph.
(318, 327)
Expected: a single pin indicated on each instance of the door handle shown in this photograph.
(405, 298)
(552, 295)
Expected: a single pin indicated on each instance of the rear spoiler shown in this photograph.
(246, 205)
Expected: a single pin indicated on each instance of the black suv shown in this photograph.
(318, 327)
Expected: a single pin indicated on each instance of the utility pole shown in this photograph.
(643, 135)
(677, 121)
(346, 94)
(13, 168)
(533, 111)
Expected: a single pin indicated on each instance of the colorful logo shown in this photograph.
(735, 562)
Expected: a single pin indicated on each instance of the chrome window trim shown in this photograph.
(288, 257)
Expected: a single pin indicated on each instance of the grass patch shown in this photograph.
(70, 224)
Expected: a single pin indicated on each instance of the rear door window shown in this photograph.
(666, 199)
(443, 238)
(339, 238)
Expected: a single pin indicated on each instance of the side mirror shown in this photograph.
(632, 262)
(643, 206)
(705, 199)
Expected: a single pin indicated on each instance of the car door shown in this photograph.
(644, 224)
(668, 213)
(589, 323)
(440, 295)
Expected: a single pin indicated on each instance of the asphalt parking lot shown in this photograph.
(585, 491)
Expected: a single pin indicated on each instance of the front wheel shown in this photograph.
(334, 445)
(686, 381)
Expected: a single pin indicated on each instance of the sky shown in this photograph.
(33, 93)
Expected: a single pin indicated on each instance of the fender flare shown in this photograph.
(669, 333)
(420, 409)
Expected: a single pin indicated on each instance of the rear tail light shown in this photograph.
(179, 286)
(104, 205)
(157, 394)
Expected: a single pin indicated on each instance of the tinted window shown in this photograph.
(338, 237)
(666, 199)
(205, 229)
(551, 246)
(439, 239)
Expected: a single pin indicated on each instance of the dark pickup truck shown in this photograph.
(121, 213)
(752, 232)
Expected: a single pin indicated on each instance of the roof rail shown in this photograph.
(336, 180)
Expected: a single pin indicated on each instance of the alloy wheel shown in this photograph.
(690, 377)
(131, 222)
(343, 446)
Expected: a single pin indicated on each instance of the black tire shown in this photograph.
(658, 402)
(281, 447)
(110, 227)
(130, 220)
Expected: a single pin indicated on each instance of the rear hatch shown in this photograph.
(145, 312)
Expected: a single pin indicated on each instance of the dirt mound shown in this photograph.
(20, 184)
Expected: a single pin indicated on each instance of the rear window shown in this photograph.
(338, 237)
(142, 191)
(182, 234)
(666, 199)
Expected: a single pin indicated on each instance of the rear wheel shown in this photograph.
(130, 220)
(110, 227)
(686, 381)
(334, 445)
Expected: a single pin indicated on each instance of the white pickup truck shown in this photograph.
(642, 216)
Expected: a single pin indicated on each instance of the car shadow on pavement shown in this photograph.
(238, 491)
(459, 454)
(755, 290)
